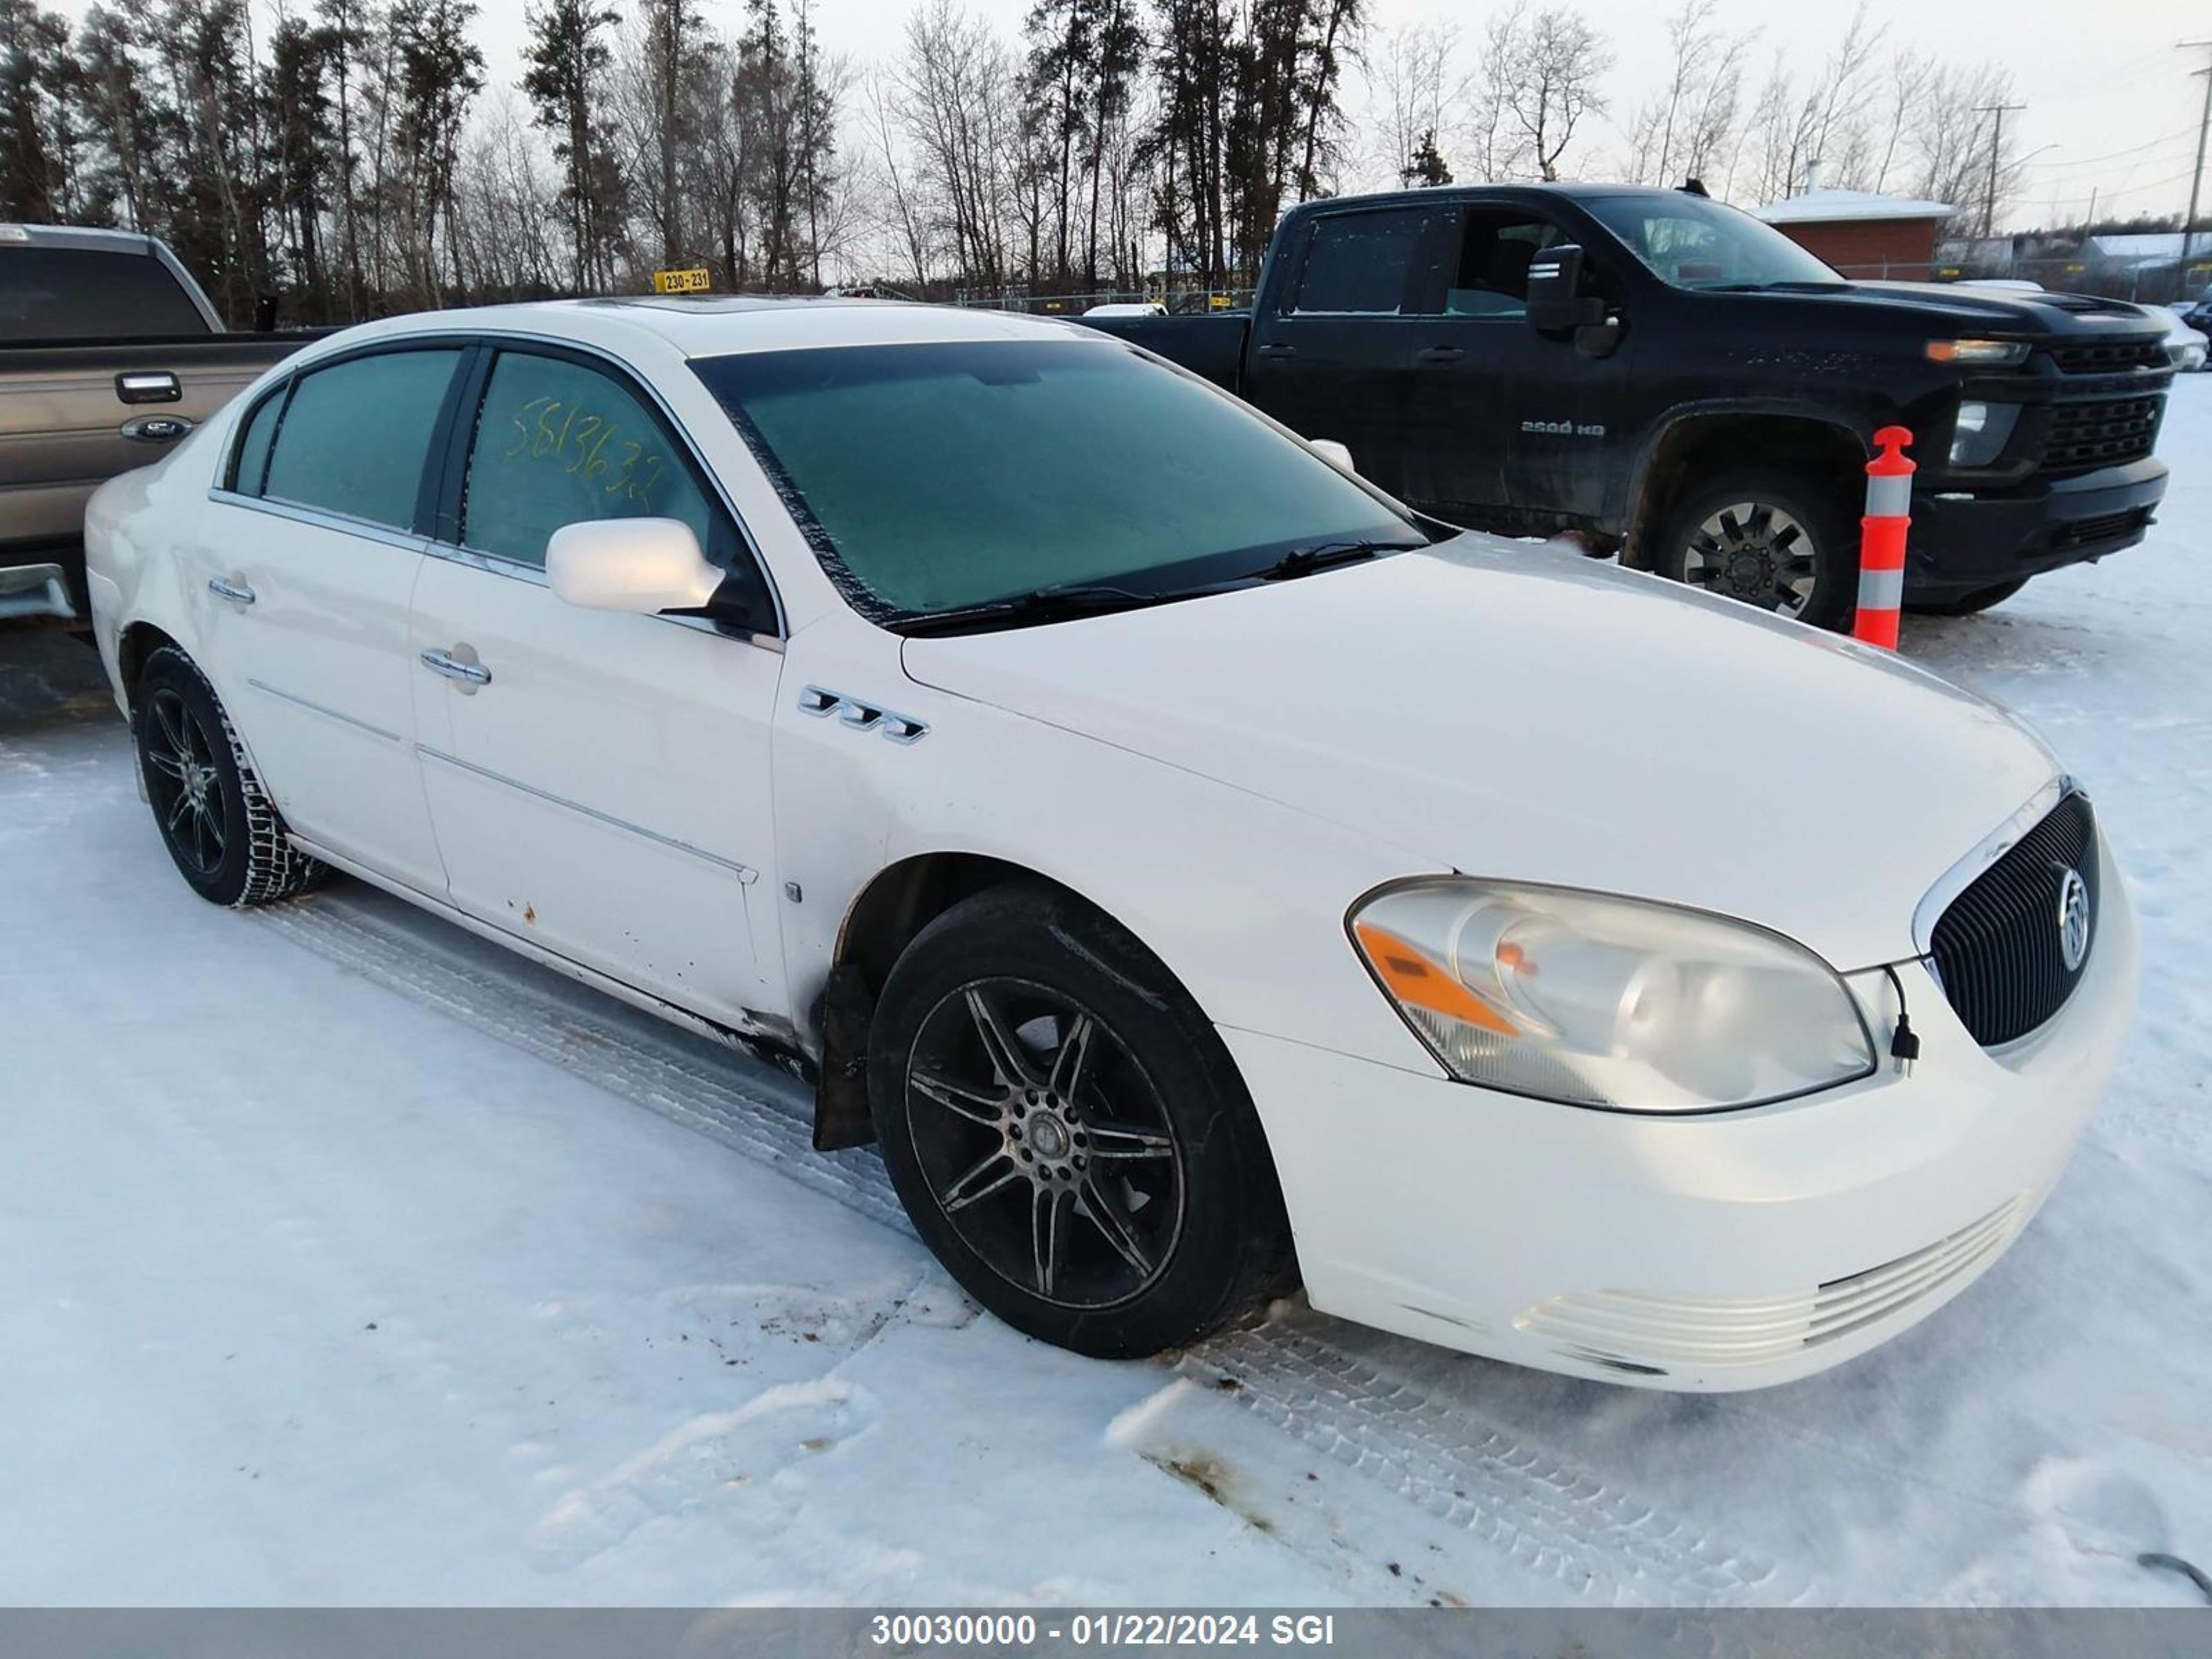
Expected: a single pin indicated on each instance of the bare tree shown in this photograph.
(1689, 127)
(1415, 90)
(1552, 63)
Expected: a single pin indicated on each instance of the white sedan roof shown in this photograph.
(720, 325)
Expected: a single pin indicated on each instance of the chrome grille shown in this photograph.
(1998, 950)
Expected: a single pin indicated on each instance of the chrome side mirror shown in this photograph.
(641, 565)
(1334, 454)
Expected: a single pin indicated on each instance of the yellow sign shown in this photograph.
(693, 280)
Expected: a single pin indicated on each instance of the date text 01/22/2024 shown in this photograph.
(1106, 1629)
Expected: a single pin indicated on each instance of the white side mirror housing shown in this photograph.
(1334, 454)
(641, 565)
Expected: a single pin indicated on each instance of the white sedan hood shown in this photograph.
(1527, 714)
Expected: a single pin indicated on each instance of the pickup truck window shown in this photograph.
(932, 477)
(1495, 250)
(557, 443)
(82, 293)
(352, 437)
(1357, 263)
(1692, 243)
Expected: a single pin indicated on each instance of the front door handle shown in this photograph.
(1276, 350)
(460, 664)
(236, 592)
(1439, 354)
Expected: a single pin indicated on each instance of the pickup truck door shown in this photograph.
(1508, 428)
(303, 567)
(598, 780)
(1334, 357)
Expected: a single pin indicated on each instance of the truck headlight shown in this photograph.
(1978, 435)
(2001, 354)
(1593, 1000)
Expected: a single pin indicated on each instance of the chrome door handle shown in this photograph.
(237, 593)
(456, 668)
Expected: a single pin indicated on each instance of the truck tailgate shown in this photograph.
(1213, 346)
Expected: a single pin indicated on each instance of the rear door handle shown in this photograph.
(148, 385)
(1439, 354)
(458, 663)
(236, 592)
(1277, 351)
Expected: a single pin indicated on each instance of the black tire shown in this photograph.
(223, 831)
(1760, 565)
(1157, 1244)
(1972, 604)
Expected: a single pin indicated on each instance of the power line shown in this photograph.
(2074, 162)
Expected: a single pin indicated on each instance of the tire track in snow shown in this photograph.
(1541, 1510)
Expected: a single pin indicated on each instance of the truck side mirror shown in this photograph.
(1555, 302)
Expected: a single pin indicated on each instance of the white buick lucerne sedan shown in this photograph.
(1197, 871)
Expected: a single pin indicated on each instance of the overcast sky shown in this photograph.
(2104, 83)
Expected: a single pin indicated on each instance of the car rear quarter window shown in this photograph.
(1359, 262)
(559, 442)
(81, 294)
(250, 473)
(352, 438)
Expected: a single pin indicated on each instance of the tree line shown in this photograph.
(354, 158)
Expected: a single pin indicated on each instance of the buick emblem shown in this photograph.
(2073, 919)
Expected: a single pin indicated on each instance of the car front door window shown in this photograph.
(603, 791)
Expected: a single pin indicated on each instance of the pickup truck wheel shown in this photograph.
(216, 820)
(1774, 538)
(1068, 1133)
(1971, 604)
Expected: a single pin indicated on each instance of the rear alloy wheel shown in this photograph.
(1067, 1132)
(1774, 540)
(219, 826)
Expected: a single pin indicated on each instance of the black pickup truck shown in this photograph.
(1674, 381)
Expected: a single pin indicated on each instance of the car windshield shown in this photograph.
(973, 474)
(1691, 242)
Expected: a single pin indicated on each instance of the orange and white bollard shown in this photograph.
(1881, 539)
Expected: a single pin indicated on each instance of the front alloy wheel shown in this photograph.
(1067, 1131)
(1044, 1144)
(1779, 538)
(1755, 552)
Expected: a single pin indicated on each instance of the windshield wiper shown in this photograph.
(1303, 560)
(1039, 605)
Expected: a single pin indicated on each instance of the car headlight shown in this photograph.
(2001, 354)
(1978, 435)
(1592, 1001)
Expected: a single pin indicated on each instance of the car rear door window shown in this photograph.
(1358, 263)
(352, 438)
(559, 442)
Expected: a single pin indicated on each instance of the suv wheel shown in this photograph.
(218, 823)
(1067, 1132)
(1774, 538)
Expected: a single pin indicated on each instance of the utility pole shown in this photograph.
(2197, 179)
(1997, 145)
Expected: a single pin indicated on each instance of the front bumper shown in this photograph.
(1963, 543)
(1732, 1251)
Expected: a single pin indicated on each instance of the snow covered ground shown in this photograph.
(344, 1259)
